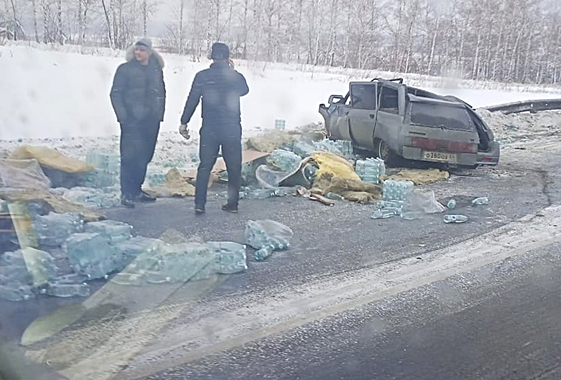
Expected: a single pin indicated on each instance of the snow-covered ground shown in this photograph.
(59, 97)
(50, 93)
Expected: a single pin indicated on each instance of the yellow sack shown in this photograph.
(174, 186)
(420, 176)
(50, 158)
(335, 165)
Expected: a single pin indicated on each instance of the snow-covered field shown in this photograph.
(49, 93)
(59, 96)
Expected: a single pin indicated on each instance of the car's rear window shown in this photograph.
(440, 116)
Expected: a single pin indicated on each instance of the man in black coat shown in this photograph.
(138, 97)
(220, 88)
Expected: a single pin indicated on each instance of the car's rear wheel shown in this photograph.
(384, 152)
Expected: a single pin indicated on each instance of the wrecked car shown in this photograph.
(395, 121)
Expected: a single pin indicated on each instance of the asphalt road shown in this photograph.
(354, 298)
(499, 322)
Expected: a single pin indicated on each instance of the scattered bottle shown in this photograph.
(481, 201)
(385, 213)
(455, 219)
(284, 160)
(57, 289)
(263, 253)
(451, 204)
(115, 231)
(53, 229)
(16, 293)
(230, 257)
(411, 215)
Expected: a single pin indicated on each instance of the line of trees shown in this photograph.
(501, 40)
(111, 23)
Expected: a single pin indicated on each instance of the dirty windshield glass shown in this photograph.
(439, 116)
(237, 190)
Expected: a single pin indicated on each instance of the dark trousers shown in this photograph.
(212, 139)
(138, 143)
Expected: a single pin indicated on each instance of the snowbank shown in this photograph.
(47, 93)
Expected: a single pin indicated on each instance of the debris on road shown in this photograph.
(61, 170)
(174, 185)
(50, 158)
(302, 191)
(418, 176)
(455, 219)
(411, 207)
(481, 201)
(230, 257)
(22, 174)
(267, 236)
(370, 170)
(269, 141)
(268, 178)
(22, 271)
(351, 190)
(49, 202)
(53, 229)
(397, 190)
(283, 160)
(90, 197)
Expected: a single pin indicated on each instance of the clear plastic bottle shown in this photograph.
(481, 201)
(263, 253)
(455, 219)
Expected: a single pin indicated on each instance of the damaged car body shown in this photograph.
(396, 121)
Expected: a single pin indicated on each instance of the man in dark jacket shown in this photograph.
(138, 97)
(220, 88)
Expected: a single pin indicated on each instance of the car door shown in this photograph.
(389, 118)
(362, 118)
(336, 117)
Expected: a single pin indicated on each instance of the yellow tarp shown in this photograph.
(269, 141)
(174, 186)
(54, 202)
(420, 176)
(50, 158)
(337, 175)
(335, 165)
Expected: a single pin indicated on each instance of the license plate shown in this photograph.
(438, 156)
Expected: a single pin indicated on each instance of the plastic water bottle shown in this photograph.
(411, 215)
(68, 290)
(384, 213)
(397, 190)
(115, 231)
(455, 219)
(480, 201)
(53, 229)
(451, 204)
(264, 252)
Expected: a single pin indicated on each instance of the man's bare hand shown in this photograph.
(184, 131)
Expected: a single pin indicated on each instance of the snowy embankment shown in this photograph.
(59, 96)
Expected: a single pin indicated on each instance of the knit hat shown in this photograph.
(220, 51)
(144, 43)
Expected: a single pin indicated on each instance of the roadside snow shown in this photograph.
(46, 93)
(523, 126)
